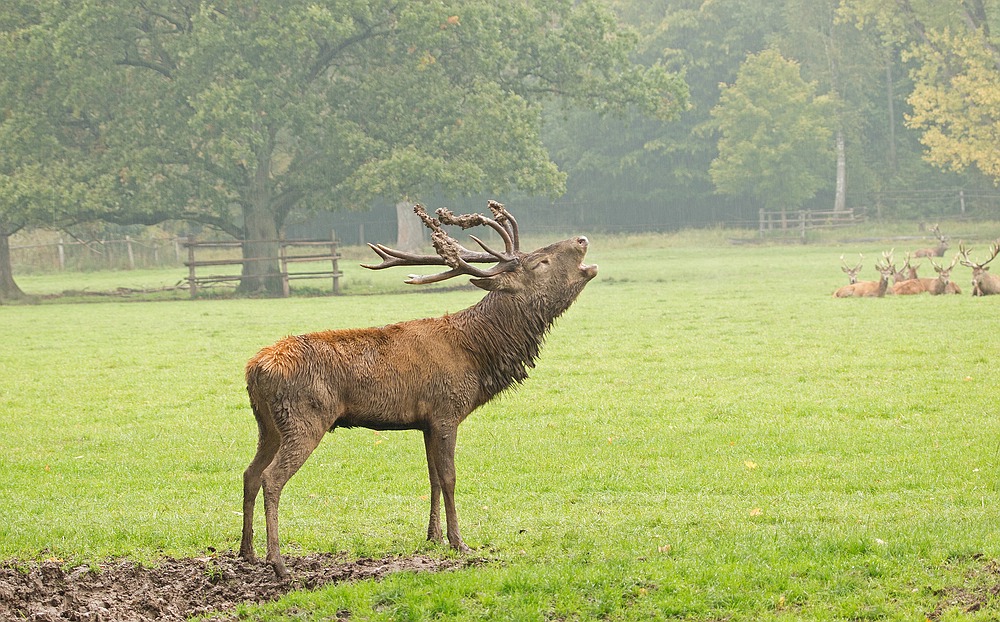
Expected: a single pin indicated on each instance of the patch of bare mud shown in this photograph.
(176, 589)
(980, 589)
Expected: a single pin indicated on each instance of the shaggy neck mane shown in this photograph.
(504, 333)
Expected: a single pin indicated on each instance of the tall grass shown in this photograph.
(708, 435)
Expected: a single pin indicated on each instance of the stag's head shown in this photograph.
(852, 273)
(549, 278)
(979, 270)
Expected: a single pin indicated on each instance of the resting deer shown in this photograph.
(426, 374)
(871, 289)
(937, 251)
(852, 273)
(942, 284)
(983, 283)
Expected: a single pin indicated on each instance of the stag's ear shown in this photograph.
(498, 283)
(487, 284)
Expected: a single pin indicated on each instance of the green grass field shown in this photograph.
(708, 435)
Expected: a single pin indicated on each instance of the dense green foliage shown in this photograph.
(245, 117)
(774, 134)
(234, 115)
(646, 171)
(708, 435)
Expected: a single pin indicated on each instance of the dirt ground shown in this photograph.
(176, 589)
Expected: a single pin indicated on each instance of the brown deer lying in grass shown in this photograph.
(871, 289)
(426, 374)
(937, 251)
(983, 283)
(852, 273)
(943, 283)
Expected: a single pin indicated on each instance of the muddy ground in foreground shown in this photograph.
(175, 589)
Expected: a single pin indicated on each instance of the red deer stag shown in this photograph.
(937, 251)
(871, 289)
(983, 283)
(907, 282)
(425, 374)
(942, 284)
(852, 273)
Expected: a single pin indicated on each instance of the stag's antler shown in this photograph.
(939, 269)
(451, 253)
(968, 263)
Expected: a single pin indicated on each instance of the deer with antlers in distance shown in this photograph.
(937, 251)
(983, 283)
(424, 374)
(852, 273)
(943, 283)
(871, 289)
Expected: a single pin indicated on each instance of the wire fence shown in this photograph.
(126, 253)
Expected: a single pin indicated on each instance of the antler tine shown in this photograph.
(964, 252)
(392, 257)
(507, 219)
(994, 251)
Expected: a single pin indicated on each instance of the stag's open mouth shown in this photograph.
(589, 270)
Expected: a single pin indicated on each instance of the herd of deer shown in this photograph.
(904, 280)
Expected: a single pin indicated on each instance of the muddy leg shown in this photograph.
(291, 455)
(434, 524)
(267, 447)
(442, 446)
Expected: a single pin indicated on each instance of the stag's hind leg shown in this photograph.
(296, 445)
(268, 440)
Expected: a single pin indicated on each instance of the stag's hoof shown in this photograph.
(280, 571)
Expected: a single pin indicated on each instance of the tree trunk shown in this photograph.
(260, 228)
(260, 240)
(840, 198)
(8, 288)
(890, 96)
(409, 228)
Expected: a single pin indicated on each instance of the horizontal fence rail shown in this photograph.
(798, 222)
(196, 281)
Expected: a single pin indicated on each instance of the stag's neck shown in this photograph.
(504, 335)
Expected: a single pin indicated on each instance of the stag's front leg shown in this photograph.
(434, 524)
(442, 447)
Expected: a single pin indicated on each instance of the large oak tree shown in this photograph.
(234, 114)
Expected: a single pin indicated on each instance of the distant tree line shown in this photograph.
(248, 117)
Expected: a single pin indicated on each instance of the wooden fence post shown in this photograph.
(131, 255)
(192, 279)
(333, 260)
(62, 255)
(283, 267)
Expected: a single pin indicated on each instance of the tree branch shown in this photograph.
(161, 69)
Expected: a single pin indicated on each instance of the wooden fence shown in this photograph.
(283, 259)
(795, 223)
